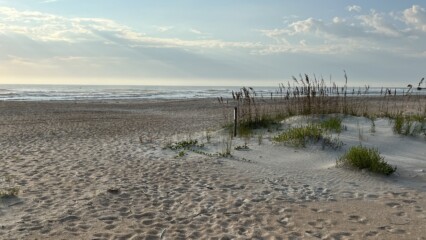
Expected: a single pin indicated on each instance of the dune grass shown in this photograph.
(308, 95)
(332, 124)
(9, 192)
(366, 158)
(245, 128)
(299, 136)
(312, 132)
(409, 125)
(186, 145)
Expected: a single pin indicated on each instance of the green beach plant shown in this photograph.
(398, 123)
(242, 147)
(181, 153)
(365, 158)
(332, 124)
(226, 146)
(299, 136)
(208, 136)
(307, 95)
(9, 192)
(185, 144)
(313, 132)
(409, 125)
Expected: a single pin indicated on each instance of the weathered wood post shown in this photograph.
(235, 120)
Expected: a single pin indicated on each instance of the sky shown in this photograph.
(221, 42)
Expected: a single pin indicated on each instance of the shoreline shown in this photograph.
(98, 170)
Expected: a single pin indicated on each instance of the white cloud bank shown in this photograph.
(397, 33)
(35, 43)
(47, 27)
(370, 31)
(45, 45)
(415, 17)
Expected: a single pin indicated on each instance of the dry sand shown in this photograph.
(98, 170)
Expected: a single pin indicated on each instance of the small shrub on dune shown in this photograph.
(9, 192)
(299, 136)
(398, 124)
(366, 158)
(186, 144)
(245, 128)
(409, 125)
(332, 124)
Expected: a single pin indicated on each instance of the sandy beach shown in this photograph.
(101, 170)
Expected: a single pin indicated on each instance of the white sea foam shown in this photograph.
(99, 92)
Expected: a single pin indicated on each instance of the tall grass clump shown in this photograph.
(409, 125)
(299, 136)
(246, 128)
(313, 132)
(226, 146)
(310, 95)
(9, 192)
(185, 145)
(398, 123)
(252, 113)
(365, 158)
(332, 124)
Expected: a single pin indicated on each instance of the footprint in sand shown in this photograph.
(313, 234)
(371, 196)
(339, 235)
(391, 229)
(370, 234)
(393, 205)
(320, 210)
(357, 219)
(286, 221)
(400, 218)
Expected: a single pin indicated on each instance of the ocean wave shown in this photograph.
(64, 93)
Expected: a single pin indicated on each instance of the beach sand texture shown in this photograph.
(98, 170)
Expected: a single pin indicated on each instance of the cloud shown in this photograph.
(273, 33)
(49, 1)
(378, 24)
(40, 44)
(35, 44)
(47, 27)
(367, 32)
(163, 28)
(195, 31)
(372, 32)
(415, 17)
(354, 8)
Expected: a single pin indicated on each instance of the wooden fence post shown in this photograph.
(235, 120)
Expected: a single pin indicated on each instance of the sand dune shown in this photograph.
(91, 170)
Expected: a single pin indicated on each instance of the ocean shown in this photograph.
(107, 92)
(114, 92)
